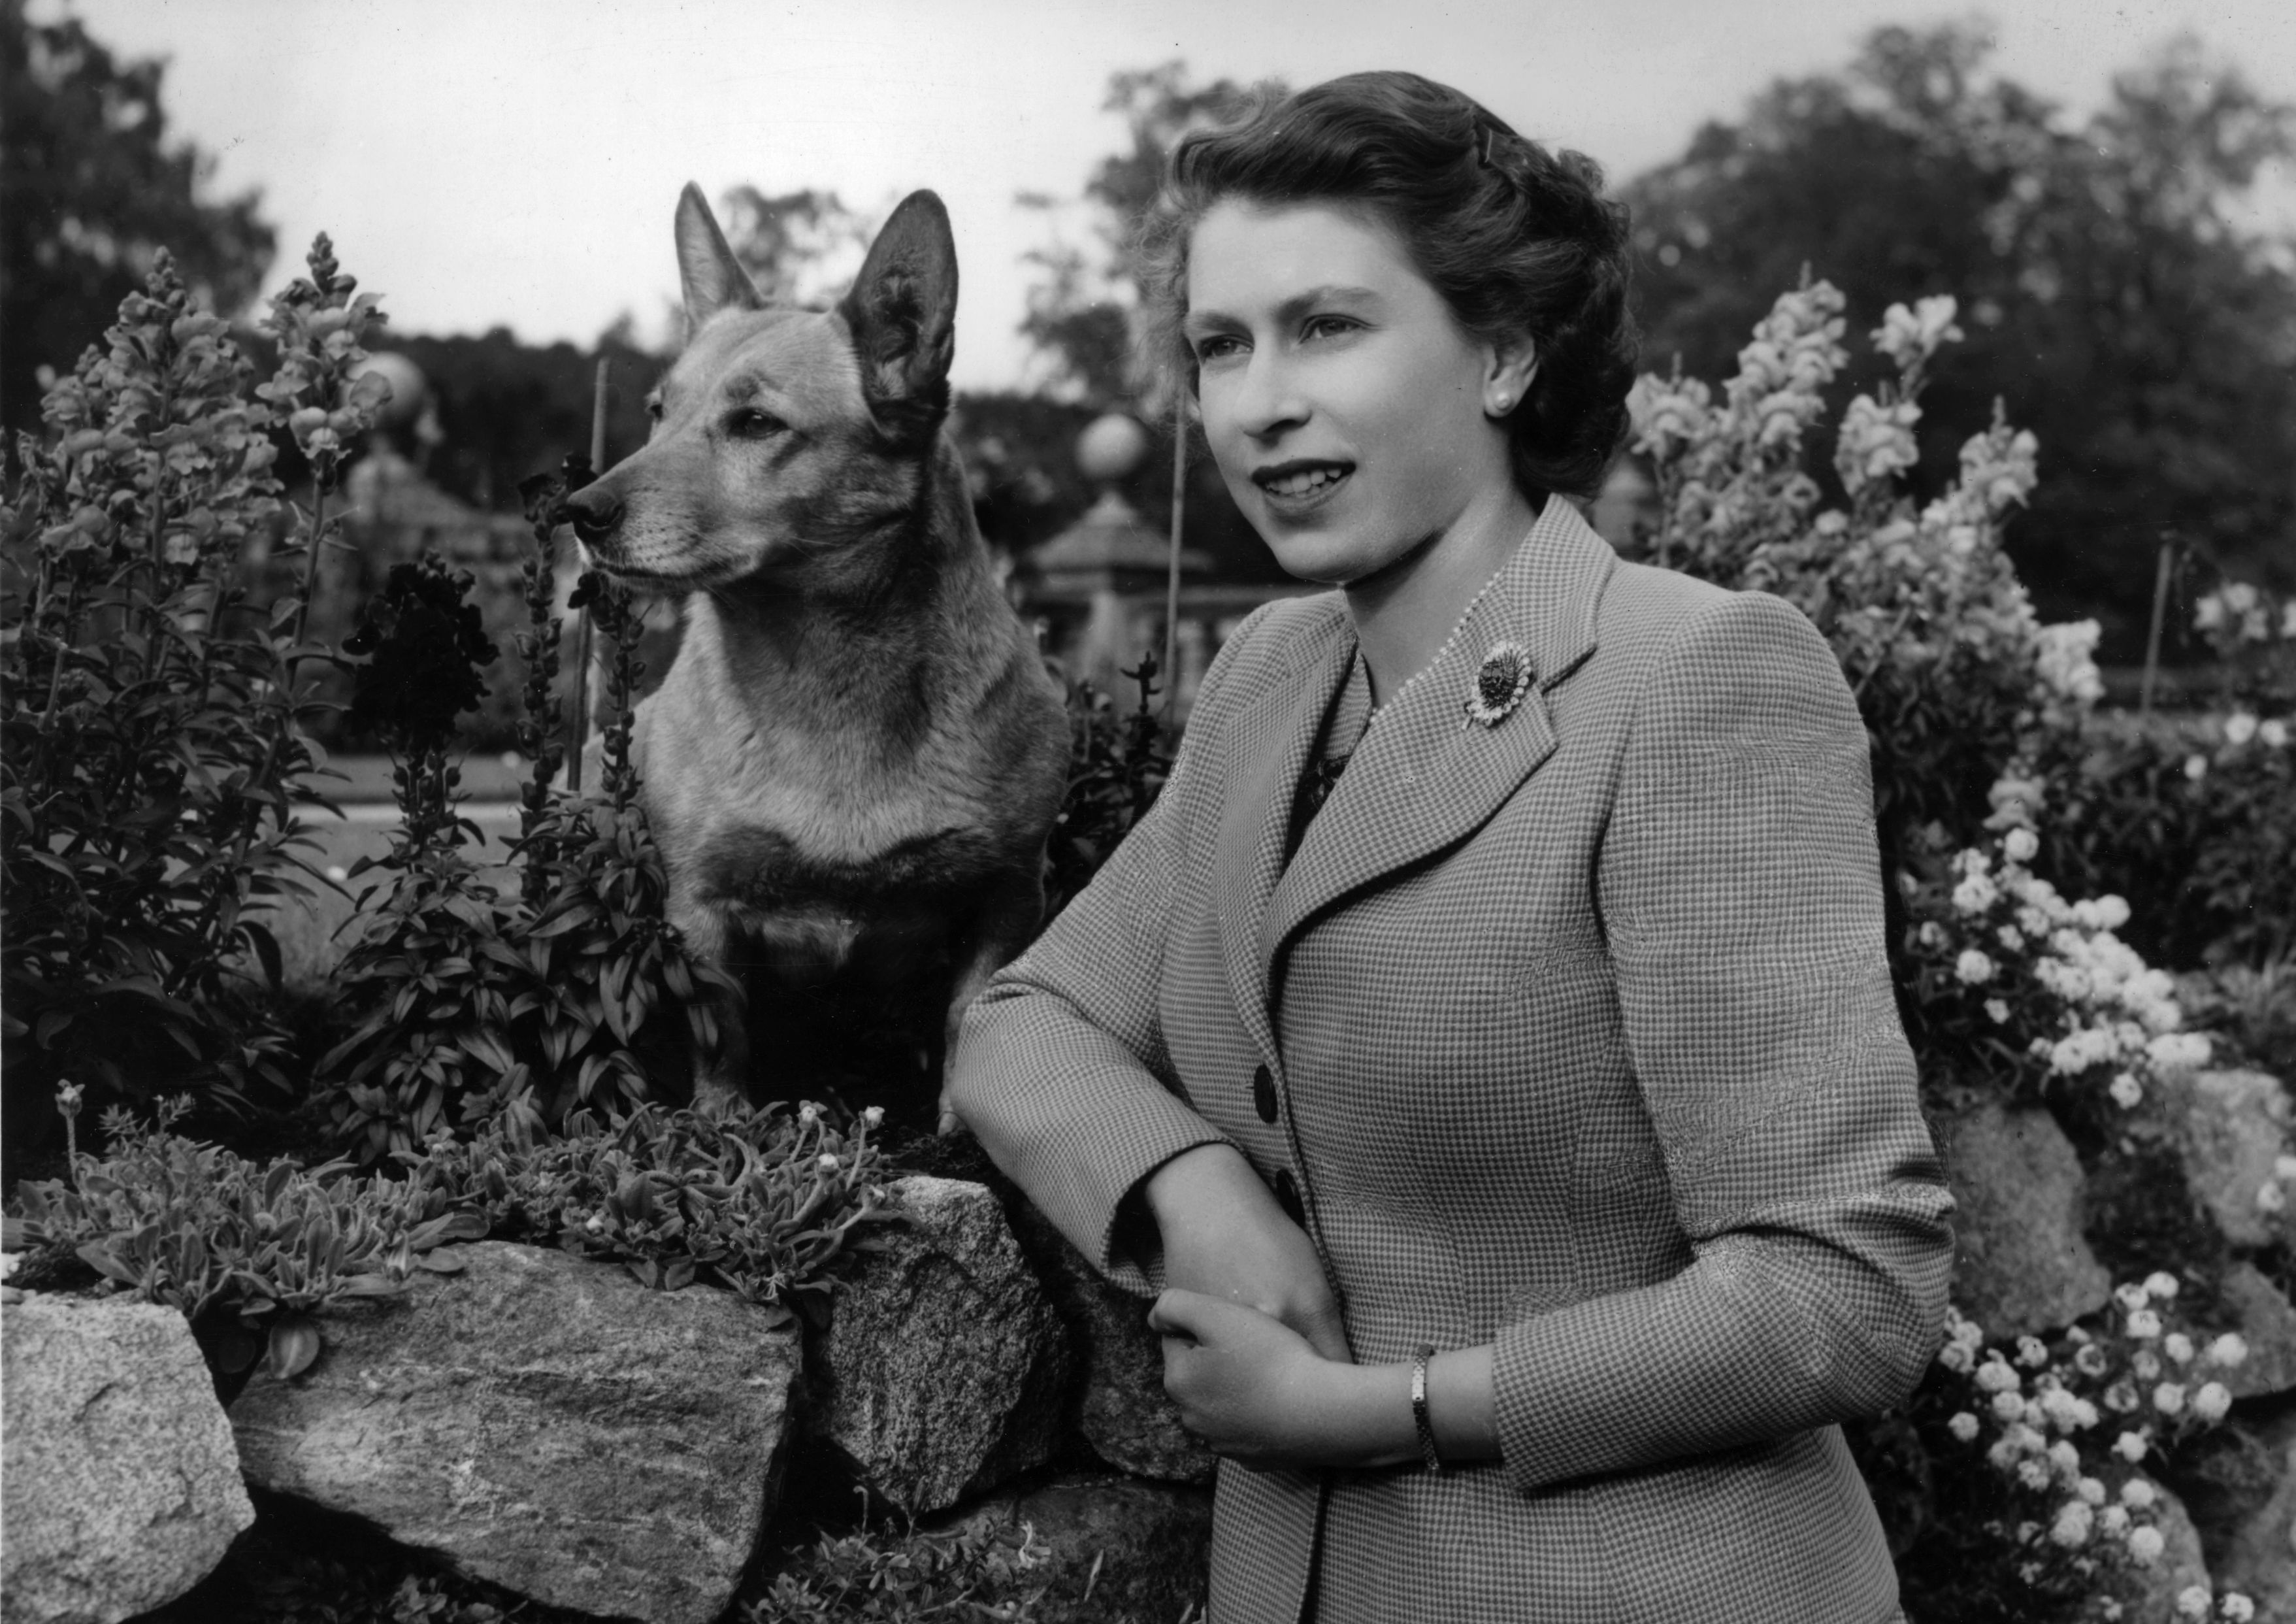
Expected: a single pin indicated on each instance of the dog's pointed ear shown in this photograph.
(713, 279)
(902, 312)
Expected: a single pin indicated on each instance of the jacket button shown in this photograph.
(1263, 1093)
(1287, 1196)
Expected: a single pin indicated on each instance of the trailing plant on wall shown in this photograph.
(248, 1254)
(151, 758)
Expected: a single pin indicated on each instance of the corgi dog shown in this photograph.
(855, 760)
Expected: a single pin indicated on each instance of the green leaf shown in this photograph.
(294, 1348)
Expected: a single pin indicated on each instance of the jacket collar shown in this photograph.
(1423, 777)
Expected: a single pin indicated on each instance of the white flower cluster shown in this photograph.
(2090, 1003)
(1918, 595)
(2244, 614)
(2243, 727)
(1729, 475)
(2273, 1195)
(2041, 1415)
(1782, 374)
(1876, 442)
(2066, 665)
(1910, 337)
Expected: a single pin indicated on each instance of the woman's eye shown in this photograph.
(1326, 326)
(751, 423)
(1216, 346)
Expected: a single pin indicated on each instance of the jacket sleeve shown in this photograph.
(1740, 889)
(1061, 1067)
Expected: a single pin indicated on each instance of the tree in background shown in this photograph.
(2111, 295)
(1082, 310)
(1080, 313)
(90, 189)
(800, 247)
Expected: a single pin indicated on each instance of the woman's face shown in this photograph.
(1345, 404)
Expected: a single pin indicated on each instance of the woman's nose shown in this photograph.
(1269, 399)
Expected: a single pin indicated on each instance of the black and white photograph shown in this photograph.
(1002, 812)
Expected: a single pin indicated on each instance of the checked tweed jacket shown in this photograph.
(1572, 1034)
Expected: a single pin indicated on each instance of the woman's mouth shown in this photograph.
(1300, 484)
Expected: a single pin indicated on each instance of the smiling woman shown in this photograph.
(1484, 1049)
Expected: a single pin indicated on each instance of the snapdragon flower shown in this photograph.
(1910, 337)
(2212, 1402)
(2145, 1546)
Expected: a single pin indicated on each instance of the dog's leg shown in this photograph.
(1005, 923)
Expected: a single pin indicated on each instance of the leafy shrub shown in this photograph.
(148, 720)
(979, 1570)
(474, 1008)
(758, 1200)
(247, 1254)
(2193, 819)
(2252, 1007)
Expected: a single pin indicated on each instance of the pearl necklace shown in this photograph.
(1465, 615)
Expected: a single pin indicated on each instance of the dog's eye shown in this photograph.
(653, 407)
(749, 423)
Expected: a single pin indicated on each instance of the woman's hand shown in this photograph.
(1224, 1237)
(1250, 1386)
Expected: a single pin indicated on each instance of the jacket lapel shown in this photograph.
(1424, 777)
(1267, 749)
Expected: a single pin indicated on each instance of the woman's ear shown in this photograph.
(1507, 375)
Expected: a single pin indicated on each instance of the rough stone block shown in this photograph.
(2019, 1263)
(548, 1425)
(943, 1370)
(122, 1486)
(2236, 1124)
(1122, 1412)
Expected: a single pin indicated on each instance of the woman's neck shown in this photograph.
(1404, 614)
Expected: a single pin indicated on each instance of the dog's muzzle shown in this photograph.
(594, 514)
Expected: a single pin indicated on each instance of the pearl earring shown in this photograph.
(1502, 402)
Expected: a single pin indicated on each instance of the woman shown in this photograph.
(1516, 1123)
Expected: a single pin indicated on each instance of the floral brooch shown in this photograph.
(1500, 683)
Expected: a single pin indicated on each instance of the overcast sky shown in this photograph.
(515, 162)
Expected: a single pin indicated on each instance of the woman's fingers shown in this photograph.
(1180, 1313)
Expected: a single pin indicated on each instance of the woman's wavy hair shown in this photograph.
(1518, 240)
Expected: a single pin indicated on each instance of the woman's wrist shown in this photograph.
(1366, 1419)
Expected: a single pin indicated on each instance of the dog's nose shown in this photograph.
(594, 513)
